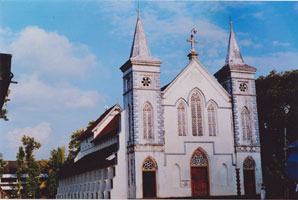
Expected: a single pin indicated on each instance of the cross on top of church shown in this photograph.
(192, 40)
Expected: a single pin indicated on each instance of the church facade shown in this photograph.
(196, 136)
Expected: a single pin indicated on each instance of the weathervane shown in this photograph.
(192, 41)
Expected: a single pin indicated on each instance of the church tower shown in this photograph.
(238, 79)
(142, 103)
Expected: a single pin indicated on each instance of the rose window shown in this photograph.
(146, 81)
(243, 87)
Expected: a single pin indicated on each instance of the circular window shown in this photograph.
(243, 87)
(146, 81)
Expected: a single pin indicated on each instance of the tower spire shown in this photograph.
(233, 54)
(140, 47)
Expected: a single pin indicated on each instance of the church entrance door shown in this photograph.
(199, 174)
(249, 177)
(149, 178)
(149, 184)
(199, 181)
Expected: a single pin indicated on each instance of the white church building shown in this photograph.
(197, 136)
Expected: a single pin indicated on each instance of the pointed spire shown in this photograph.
(233, 54)
(140, 47)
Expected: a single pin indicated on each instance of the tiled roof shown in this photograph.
(88, 132)
(110, 129)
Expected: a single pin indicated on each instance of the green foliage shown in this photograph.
(2, 165)
(3, 112)
(20, 171)
(74, 144)
(31, 166)
(54, 166)
(274, 92)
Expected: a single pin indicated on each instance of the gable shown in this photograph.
(195, 75)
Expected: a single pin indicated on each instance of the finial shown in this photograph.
(192, 41)
(230, 21)
(139, 11)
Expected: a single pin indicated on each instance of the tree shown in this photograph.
(3, 113)
(74, 144)
(274, 93)
(2, 165)
(32, 168)
(54, 165)
(20, 171)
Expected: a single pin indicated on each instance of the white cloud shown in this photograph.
(258, 15)
(296, 6)
(280, 61)
(246, 42)
(41, 133)
(34, 95)
(50, 54)
(283, 44)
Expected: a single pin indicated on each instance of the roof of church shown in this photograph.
(140, 49)
(88, 131)
(234, 60)
(233, 54)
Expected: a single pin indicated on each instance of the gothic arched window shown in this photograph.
(211, 120)
(198, 159)
(196, 115)
(181, 120)
(246, 125)
(148, 121)
(149, 165)
(249, 163)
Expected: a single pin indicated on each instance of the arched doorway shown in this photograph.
(199, 174)
(249, 177)
(149, 178)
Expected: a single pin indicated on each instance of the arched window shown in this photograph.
(149, 165)
(249, 164)
(246, 126)
(211, 120)
(196, 115)
(181, 120)
(148, 121)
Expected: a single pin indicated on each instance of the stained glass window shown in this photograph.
(211, 120)
(148, 121)
(198, 159)
(248, 163)
(196, 115)
(181, 120)
(149, 165)
(246, 128)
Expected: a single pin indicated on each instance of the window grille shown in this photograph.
(181, 120)
(211, 120)
(246, 128)
(149, 165)
(248, 163)
(198, 159)
(196, 114)
(148, 121)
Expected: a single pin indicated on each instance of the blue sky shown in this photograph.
(67, 54)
